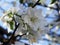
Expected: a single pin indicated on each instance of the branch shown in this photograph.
(3, 31)
(16, 26)
(20, 36)
(46, 6)
(58, 9)
(35, 4)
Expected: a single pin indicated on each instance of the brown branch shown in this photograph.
(3, 31)
(35, 4)
(16, 26)
(46, 6)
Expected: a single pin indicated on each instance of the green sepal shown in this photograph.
(53, 1)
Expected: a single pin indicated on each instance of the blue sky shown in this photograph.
(7, 6)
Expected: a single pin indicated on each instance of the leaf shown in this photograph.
(53, 1)
(11, 24)
(21, 1)
(10, 15)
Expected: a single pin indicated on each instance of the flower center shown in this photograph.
(33, 19)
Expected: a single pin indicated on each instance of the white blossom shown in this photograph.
(35, 18)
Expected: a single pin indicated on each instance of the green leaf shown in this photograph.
(10, 15)
(53, 1)
(11, 23)
(21, 1)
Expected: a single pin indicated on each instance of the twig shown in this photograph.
(16, 26)
(46, 6)
(58, 9)
(35, 4)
